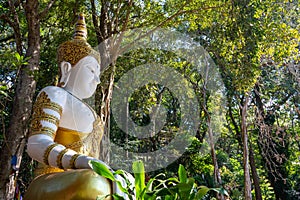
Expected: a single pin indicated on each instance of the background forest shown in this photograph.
(253, 43)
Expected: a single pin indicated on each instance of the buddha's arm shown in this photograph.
(43, 149)
(41, 146)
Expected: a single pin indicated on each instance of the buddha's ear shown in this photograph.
(65, 68)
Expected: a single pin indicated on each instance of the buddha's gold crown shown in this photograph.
(73, 50)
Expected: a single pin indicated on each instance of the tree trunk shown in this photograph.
(255, 176)
(22, 106)
(104, 90)
(104, 94)
(104, 27)
(247, 180)
(217, 175)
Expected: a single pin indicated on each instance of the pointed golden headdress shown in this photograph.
(73, 50)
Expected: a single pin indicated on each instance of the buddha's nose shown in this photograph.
(97, 79)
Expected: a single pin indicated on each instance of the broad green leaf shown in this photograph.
(182, 174)
(185, 189)
(139, 175)
(102, 170)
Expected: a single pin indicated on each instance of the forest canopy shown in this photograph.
(253, 45)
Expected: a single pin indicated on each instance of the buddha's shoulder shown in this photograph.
(54, 94)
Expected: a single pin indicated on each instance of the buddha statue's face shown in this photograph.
(83, 78)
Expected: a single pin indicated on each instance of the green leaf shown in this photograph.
(139, 175)
(102, 170)
(185, 189)
(119, 184)
(202, 192)
(150, 184)
(148, 189)
(173, 179)
(117, 197)
(119, 171)
(169, 197)
(18, 57)
(182, 174)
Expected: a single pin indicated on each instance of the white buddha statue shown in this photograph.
(65, 132)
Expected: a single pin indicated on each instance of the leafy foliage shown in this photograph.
(254, 44)
(181, 188)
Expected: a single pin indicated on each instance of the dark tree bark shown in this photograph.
(22, 104)
(254, 174)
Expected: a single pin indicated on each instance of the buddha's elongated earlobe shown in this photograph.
(65, 68)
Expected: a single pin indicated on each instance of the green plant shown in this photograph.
(181, 188)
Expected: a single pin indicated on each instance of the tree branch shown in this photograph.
(15, 24)
(46, 10)
(180, 12)
(96, 22)
(115, 20)
(127, 16)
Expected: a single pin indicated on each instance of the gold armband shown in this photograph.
(59, 158)
(47, 152)
(46, 117)
(43, 130)
(73, 160)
